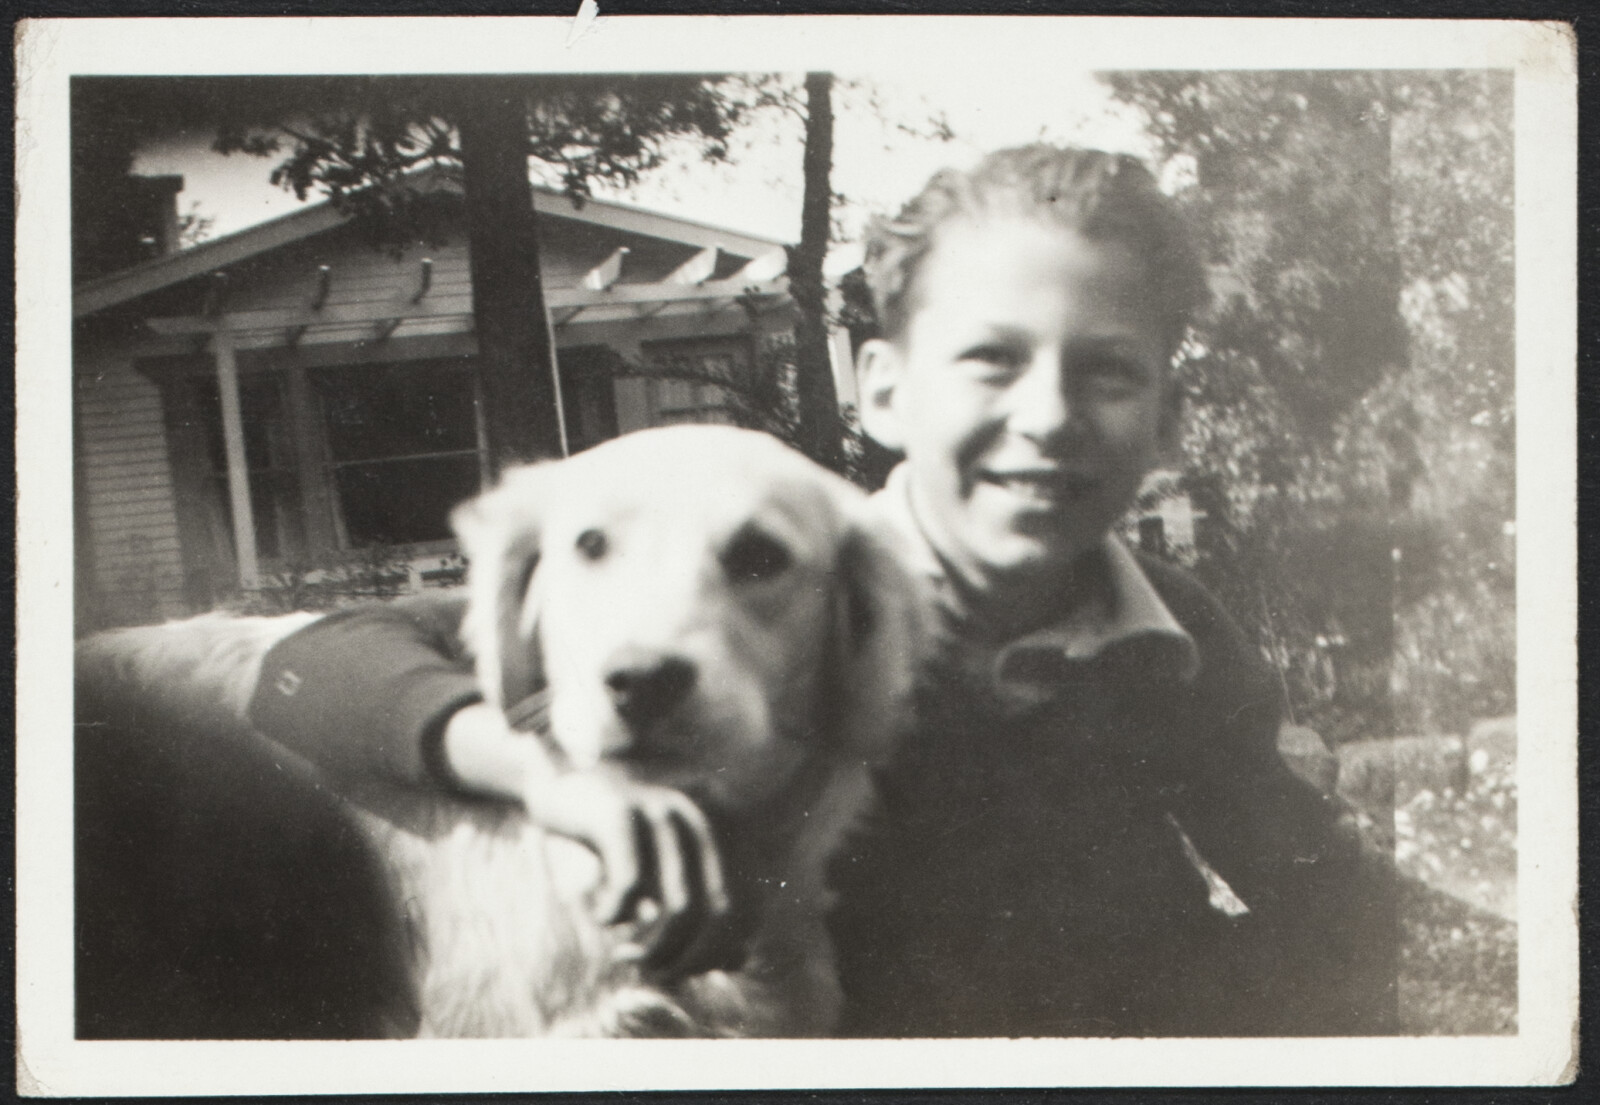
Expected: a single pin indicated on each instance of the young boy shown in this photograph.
(1089, 831)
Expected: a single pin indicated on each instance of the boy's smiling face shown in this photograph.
(1030, 396)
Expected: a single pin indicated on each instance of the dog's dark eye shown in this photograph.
(754, 556)
(593, 544)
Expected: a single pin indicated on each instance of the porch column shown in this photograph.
(555, 382)
(244, 523)
(844, 367)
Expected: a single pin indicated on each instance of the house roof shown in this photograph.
(128, 284)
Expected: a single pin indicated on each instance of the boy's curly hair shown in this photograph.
(1103, 196)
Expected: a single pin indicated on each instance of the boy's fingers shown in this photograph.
(686, 937)
(671, 880)
(590, 811)
(660, 869)
(703, 846)
(620, 870)
(678, 928)
(699, 940)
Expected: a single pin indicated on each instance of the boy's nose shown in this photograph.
(1040, 406)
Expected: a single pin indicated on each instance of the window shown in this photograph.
(402, 447)
(588, 394)
(363, 456)
(689, 401)
(269, 460)
(689, 397)
(338, 459)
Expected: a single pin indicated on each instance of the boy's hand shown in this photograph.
(659, 862)
(659, 865)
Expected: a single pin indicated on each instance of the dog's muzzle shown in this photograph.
(646, 685)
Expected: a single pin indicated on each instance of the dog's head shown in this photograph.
(709, 609)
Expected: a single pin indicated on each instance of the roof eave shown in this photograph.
(149, 276)
(174, 268)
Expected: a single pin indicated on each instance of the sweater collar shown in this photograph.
(1126, 607)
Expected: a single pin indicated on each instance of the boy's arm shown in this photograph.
(1322, 900)
(367, 692)
(385, 691)
(603, 810)
(1325, 901)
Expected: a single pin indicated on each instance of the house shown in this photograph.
(289, 399)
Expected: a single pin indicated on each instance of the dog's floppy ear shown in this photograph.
(880, 636)
(499, 533)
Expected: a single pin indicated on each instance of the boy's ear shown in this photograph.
(879, 368)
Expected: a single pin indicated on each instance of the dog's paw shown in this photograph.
(639, 1012)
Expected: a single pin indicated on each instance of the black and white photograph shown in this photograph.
(871, 551)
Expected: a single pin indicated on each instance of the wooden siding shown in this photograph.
(358, 277)
(377, 284)
(127, 487)
(134, 532)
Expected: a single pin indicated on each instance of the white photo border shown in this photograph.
(1543, 58)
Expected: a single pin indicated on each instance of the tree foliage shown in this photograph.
(1293, 201)
(1351, 387)
(365, 138)
(343, 137)
(1455, 612)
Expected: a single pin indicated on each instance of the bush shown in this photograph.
(378, 572)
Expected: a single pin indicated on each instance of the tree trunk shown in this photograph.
(517, 386)
(821, 429)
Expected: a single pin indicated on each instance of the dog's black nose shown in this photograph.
(645, 685)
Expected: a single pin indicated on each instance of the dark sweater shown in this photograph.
(366, 691)
(1026, 874)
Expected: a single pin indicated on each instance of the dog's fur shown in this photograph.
(754, 571)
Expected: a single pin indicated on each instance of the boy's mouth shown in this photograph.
(1043, 486)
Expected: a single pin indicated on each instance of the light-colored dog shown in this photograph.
(711, 613)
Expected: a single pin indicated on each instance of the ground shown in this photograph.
(1458, 853)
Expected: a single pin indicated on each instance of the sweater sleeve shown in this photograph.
(1327, 900)
(366, 692)
(1325, 935)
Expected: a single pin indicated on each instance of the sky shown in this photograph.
(877, 166)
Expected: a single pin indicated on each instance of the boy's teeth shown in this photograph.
(1043, 487)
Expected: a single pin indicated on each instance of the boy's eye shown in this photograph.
(994, 358)
(1113, 375)
(992, 354)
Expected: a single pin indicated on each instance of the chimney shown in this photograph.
(155, 203)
